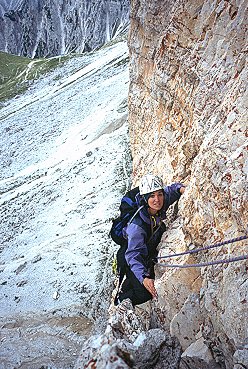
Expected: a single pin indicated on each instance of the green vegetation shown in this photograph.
(17, 73)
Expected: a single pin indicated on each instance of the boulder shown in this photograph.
(198, 355)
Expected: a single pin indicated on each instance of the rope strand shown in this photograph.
(224, 261)
(204, 248)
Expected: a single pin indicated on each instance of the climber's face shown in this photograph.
(156, 201)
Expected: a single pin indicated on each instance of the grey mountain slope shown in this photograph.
(43, 28)
(65, 163)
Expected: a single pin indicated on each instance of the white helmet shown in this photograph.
(150, 183)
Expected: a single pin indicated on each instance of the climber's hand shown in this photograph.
(149, 285)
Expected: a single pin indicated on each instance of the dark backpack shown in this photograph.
(128, 209)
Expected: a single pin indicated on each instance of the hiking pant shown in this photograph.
(133, 289)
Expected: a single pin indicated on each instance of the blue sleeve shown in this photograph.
(172, 193)
(136, 254)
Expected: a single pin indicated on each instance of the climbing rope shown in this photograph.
(223, 261)
(205, 248)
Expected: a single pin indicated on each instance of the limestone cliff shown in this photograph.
(45, 28)
(187, 118)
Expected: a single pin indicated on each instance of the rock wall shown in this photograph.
(128, 343)
(43, 28)
(187, 117)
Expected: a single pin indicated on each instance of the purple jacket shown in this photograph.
(139, 253)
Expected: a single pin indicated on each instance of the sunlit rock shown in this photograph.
(188, 121)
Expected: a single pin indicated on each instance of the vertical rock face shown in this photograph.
(42, 28)
(187, 114)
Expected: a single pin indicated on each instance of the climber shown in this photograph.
(143, 235)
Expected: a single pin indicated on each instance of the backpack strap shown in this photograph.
(137, 211)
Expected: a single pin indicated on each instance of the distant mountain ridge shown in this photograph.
(40, 28)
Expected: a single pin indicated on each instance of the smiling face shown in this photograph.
(156, 201)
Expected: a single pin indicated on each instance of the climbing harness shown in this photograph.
(223, 261)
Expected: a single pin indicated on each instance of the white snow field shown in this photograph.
(65, 163)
